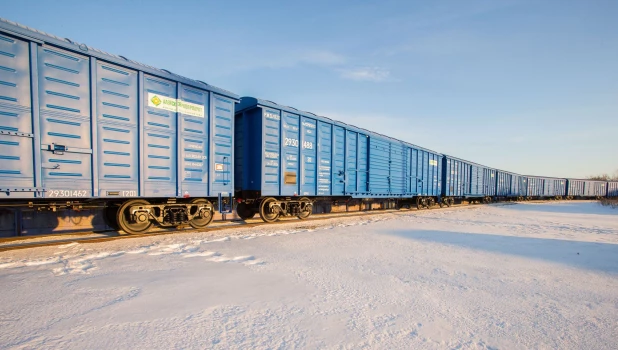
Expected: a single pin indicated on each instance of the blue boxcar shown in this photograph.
(465, 179)
(77, 122)
(578, 188)
(544, 187)
(284, 152)
(612, 189)
(595, 189)
(508, 185)
(533, 186)
(551, 187)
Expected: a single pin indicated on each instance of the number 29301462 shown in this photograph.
(66, 193)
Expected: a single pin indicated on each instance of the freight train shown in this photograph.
(80, 127)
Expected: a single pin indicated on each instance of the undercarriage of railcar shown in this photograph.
(135, 215)
(272, 208)
(138, 215)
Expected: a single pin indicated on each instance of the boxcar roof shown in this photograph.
(474, 163)
(27, 33)
(572, 178)
(247, 102)
(546, 177)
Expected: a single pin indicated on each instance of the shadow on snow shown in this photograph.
(587, 255)
(576, 207)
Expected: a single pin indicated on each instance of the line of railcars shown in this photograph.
(286, 159)
(83, 128)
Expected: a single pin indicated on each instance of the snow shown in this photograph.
(529, 275)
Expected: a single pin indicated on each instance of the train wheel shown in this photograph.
(109, 215)
(244, 211)
(442, 203)
(419, 203)
(430, 202)
(450, 202)
(307, 208)
(266, 212)
(130, 224)
(206, 217)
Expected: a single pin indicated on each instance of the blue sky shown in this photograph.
(525, 86)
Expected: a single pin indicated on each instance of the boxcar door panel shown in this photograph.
(221, 124)
(363, 169)
(308, 145)
(194, 141)
(16, 144)
(338, 161)
(350, 159)
(159, 138)
(290, 147)
(66, 147)
(271, 144)
(325, 144)
(117, 132)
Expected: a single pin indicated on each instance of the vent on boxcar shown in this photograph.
(289, 178)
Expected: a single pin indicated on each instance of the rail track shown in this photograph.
(85, 237)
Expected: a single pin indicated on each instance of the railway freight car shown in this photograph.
(286, 159)
(78, 125)
(586, 189)
(463, 179)
(541, 187)
(509, 186)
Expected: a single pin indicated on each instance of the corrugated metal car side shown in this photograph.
(84, 124)
(535, 186)
(466, 179)
(17, 130)
(612, 189)
(575, 187)
(489, 182)
(507, 184)
(303, 154)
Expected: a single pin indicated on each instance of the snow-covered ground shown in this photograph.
(533, 275)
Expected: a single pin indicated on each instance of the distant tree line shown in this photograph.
(605, 177)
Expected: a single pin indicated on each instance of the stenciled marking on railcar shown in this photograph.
(175, 105)
(308, 144)
(218, 167)
(67, 193)
(290, 142)
(271, 155)
(194, 156)
(273, 116)
(309, 125)
(291, 157)
(289, 127)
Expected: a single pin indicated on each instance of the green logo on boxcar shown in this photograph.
(156, 100)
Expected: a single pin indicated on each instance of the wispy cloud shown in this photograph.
(375, 74)
(323, 58)
(329, 60)
(293, 58)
